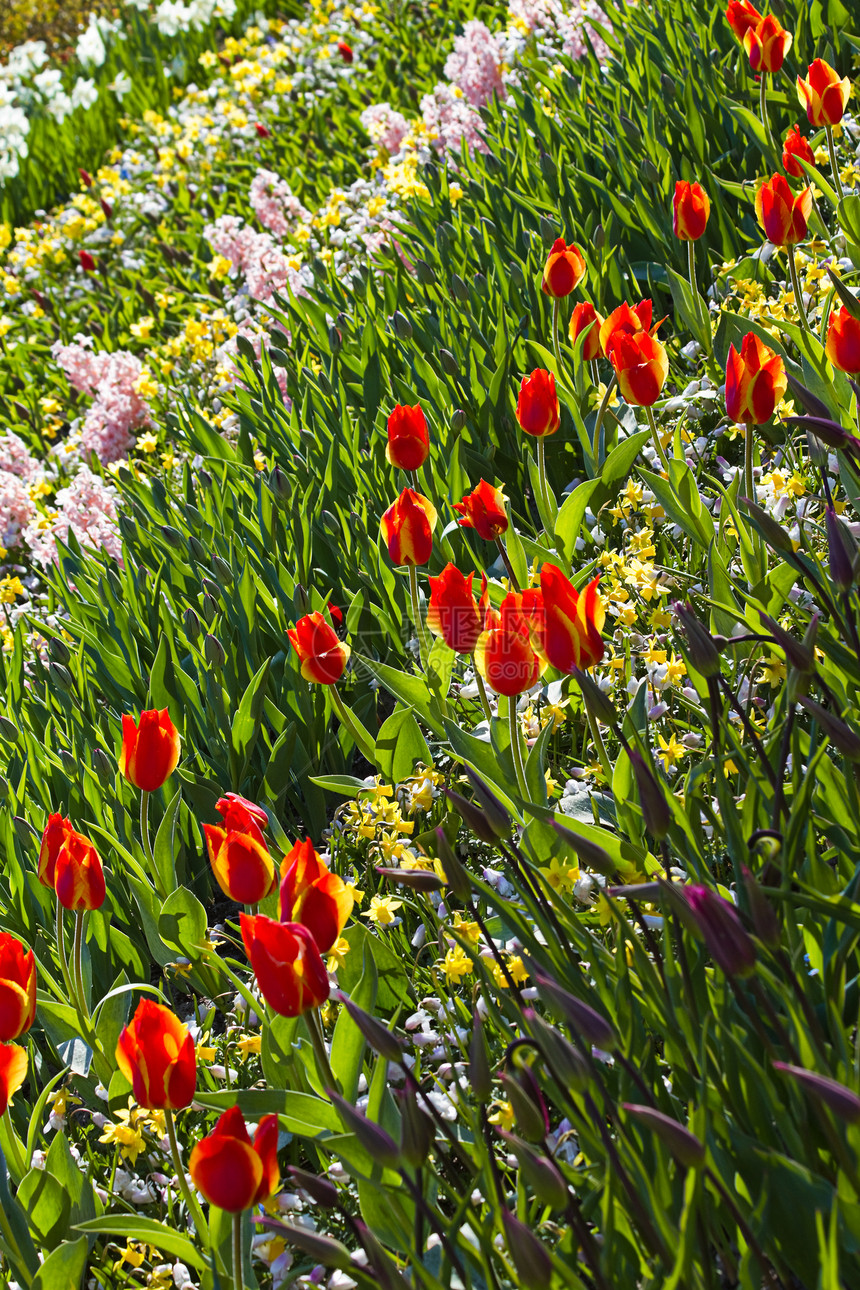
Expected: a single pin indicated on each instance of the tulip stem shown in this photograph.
(423, 647)
(77, 965)
(831, 148)
(762, 98)
(597, 740)
(13, 1145)
(516, 750)
(691, 264)
(482, 692)
(542, 480)
(64, 962)
(144, 833)
(601, 413)
(556, 348)
(238, 1277)
(190, 1199)
(795, 286)
(360, 737)
(661, 451)
(507, 563)
(312, 1021)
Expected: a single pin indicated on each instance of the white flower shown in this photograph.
(84, 93)
(121, 85)
(90, 48)
(49, 82)
(60, 106)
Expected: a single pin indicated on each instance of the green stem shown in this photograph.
(482, 693)
(77, 964)
(423, 647)
(544, 486)
(749, 477)
(13, 1145)
(515, 586)
(795, 286)
(190, 1199)
(314, 1025)
(145, 840)
(763, 107)
(660, 450)
(691, 266)
(831, 148)
(601, 413)
(595, 371)
(597, 740)
(238, 1278)
(64, 962)
(516, 750)
(362, 739)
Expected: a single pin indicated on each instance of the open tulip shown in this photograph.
(150, 749)
(755, 381)
(767, 44)
(323, 657)
(484, 511)
(691, 208)
(239, 813)
(407, 529)
(13, 1072)
(782, 215)
(453, 613)
(537, 405)
(843, 341)
(741, 15)
(17, 988)
(823, 94)
(796, 146)
(53, 837)
(156, 1054)
(241, 863)
(504, 654)
(230, 1170)
(572, 621)
(287, 964)
(79, 879)
(626, 320)
(585, 318)
(564, 269)
(314, 896)
(408, 437)
(641, 365)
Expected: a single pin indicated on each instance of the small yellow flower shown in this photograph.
(337, 954)
(147, 442)
(382, 910)
(456, 965)
(248, 1044)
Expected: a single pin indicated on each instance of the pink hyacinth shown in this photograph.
(475, 66)
(453, 120)
(255, 256)
(16, 510)
(87, 508)
(275, 205)
(387, 128)
(551, 18)
(16, 458)
(117, 409)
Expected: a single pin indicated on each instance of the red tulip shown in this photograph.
(691, 208)
(782, 215)
(537, 405)
(150, 750)
(241, 863)
(741, 15)
(626, 321)
(54, 836)
(86, 177)
(641, 365)
(322, 656)
(843, 341)
(484, 511)
(314, 896)
(13, 1072)
(564, 269)
(230, 1170)
(17, 988)
(767, 45)
(88, 264)
(408, 437)
(407, 528)
(156, 1054)
(287, 964)
(823, 94)
(239, 813)
(261, 130)
(504, 654)
(345, 51)
(453, 612)
(571, 621)
(796, 146)
(585, 318)
(755, 381)
(79, 879)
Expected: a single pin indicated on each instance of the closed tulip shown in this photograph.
(13, 1072)
(88, 264)
(150, 749)
(314, 896)
(691, 208)
(53, 837)
(782, 215)
(453, 612)
(504, 654)
(572, 621)
(484, 511)
(17, 988)
(241, 863)
(725, 937)
(641, 365)
(585, 318)
(79, 879)
(287, 964)
(408, 437)
(345, 51)
(407, 528)
(796, 146)
(323, 657)
(741, 15)
(564, 269)
(843, 341)
(230, 1170)
(537, 406)
(767, 44)
(823, 94)
(156, 1054)
(755, 381)
(239, 813)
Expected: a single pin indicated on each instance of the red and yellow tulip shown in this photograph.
(453, 612)
(407, 528)
(230, 1170)
(755, 381)
(323, 657)
(155, 1053)
(287, 964)
(150, 749)
(314, 896)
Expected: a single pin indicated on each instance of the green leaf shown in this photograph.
(343, 785)
(347, 1045)
(411, 690)
(64, 1266)
(133, 1227)
(163, 851)
(182, 924)
(399, 745)
(301, 1113)
(47, 1205)
(570, 517)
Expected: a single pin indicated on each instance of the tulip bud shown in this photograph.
(842, 1101)
(321, 1191)
(548, 168)
(684, 1145)
(372, 1137)
(538, 1172)
(668, 86)
(473, 817)
(322, 1249)
(425, 273)
(516, 274)
(172, 536)
(731, 948)
(8, 730)
(127, 527)
(457, 876)
(480, 1077)
(840, 562)
(581, 1018)
(59, 650)
(212, 588)
(797, 654)
(548, 230)
(417, 1132)
(458, 419)
(69, 760)
(191, 623)
(598, 704)
(335, 339)
(61, 676)
(24, 831)
(402, 325)
(416, 879)
(531, 1260)
(774, 533)
(198, 550)
(495, 813)
(566, 1063)
(4, 786)
(280, 485)
(378, 1036)
(528, 1112)
(449, 362)
(762, 914)
(459, 289)
(648, 172)
(223, 570)
(838, 731)
(655, 808)
(209, 610)
(590, 855)
(701, 645)
(214, 651)
(103, 766)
